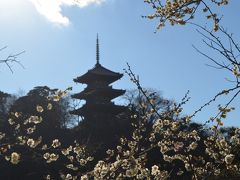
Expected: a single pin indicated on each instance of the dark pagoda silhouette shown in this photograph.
(100, 115)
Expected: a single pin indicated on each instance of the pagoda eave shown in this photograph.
(98, 72)
(85, 79)
(109, 93)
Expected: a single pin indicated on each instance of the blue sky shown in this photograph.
(61, 46)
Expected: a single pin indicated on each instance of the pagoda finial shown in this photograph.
(97, 49)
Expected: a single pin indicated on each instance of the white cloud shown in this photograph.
(52, 9)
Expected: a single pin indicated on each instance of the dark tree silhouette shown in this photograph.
(54, 119)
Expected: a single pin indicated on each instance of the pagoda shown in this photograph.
(99, 108)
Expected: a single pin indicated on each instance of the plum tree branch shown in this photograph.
(10, 59)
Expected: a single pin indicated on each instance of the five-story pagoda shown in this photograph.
(99, 111)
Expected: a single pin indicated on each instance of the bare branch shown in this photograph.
(10, 59)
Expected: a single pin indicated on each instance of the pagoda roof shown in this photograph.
(98, 72)
(106, 92)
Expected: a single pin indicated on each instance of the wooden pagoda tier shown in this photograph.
(107, 92)
(98, 93)
(98, 74)
(98, 110)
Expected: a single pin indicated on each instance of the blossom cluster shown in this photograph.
(182, 11)
(195, 153)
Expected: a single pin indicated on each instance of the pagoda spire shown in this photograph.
(97, 51)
